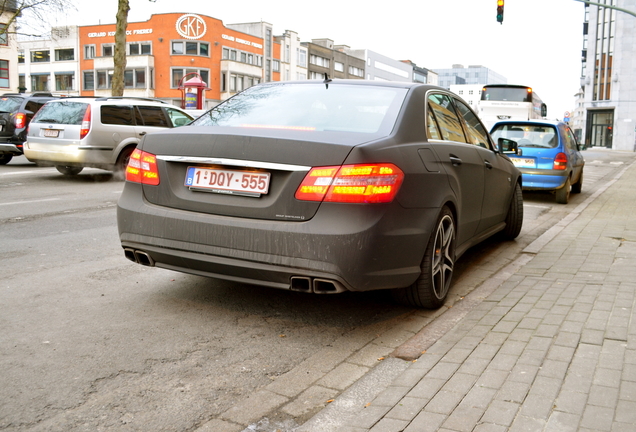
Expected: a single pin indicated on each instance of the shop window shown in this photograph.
(40, 82)
(64, 81)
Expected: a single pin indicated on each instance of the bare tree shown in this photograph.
(30, 17)
(119, 57)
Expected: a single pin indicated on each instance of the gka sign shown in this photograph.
(191, 26)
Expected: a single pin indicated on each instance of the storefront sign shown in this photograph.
(112, 33)
(191, 26)
(241, 41)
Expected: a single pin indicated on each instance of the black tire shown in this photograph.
(514, 218)
(563, 194)
(69, 170)
(122, 162)
(429, 291)
(5, 158)
(576, 187)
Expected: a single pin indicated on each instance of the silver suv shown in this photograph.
(100, 132)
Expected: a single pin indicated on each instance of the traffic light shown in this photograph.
(500, 5)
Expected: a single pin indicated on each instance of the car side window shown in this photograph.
(177, 117)
(153, 116)
(117, 115)
(570, 140)
(447, 120)
(33, 106)
(477, 134)
(433, 130)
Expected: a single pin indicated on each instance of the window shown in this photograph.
(191, 48)
(4, 73)
(301, 55)
(117, 115)
(319, 61)
(178, 74)
(4, 39)
(64, 54)
(135, 78)
(139, 48)
(276, 66)
(103, 80)
(20, 56)
(40, 82)
(64, 81)
(477, 134)
(89, 52)
(108, 50)
(232, 55)
(152, 116)
(447, 120)
(89, 80)
(338, 67)
(226, 53)
(356, 71)
(40, 56)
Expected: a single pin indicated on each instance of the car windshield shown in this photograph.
(10, 104)
(65, 112)
(538, 136)
(310, 107)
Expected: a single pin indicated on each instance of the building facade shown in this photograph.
(422, 75)
(8, 50)
(333, 60)
(609, 76)
(51, 65)
(292, 65)
(382, 68)
(474, 74)
(471, 93)
(168, 50)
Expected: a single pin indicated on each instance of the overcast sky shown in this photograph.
(539, 43)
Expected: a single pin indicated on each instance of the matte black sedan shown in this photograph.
(322, 187)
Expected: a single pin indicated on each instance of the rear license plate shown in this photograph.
(51, 133)
(231, 182)
(523, 163)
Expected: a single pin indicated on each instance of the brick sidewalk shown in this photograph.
(553, 348)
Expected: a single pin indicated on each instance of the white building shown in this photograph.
(609, 76)
(382, 68)
(471, 93)
(293, 57)
(50, 65)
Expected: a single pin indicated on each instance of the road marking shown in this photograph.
(21, 172)
(30, 202)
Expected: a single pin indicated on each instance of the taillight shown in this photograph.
(142, 168)
(20, 120)
(373, 183)
(86, 122)
(560, 161)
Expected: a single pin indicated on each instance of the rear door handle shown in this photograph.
(488, 164)
(142, 133)
(455, 160)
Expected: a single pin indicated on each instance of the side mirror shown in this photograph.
(508, 146)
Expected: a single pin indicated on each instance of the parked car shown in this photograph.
(549, 156)
(102, 132)
(322, 187)
(16, 111)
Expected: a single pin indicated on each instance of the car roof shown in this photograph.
(337, 81)
(531, 122)
(124, 100)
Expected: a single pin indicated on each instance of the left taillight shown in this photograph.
(560, 161)
(86, 123)
(142, 168)
(360, 183)
(20, 120)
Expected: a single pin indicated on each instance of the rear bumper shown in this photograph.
(11, 148)
(543, 180)
(355, 248)
(69, 155)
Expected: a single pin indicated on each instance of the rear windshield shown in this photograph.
(71, 113)
(539, 136)
(310, 107)
(10, 104)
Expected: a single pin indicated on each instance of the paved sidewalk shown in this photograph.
(551, 348)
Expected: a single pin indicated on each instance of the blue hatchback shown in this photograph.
(549, 156)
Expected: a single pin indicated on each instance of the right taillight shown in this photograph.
(20, 120)
(142, 168)
(361, 183)
(560, 161)
(86, 123)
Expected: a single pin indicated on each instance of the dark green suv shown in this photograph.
(16, 111)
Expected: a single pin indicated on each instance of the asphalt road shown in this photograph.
(91, 341)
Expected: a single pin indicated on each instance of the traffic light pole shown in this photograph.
(632, 13)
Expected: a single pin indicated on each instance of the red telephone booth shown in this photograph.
(192, 91)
